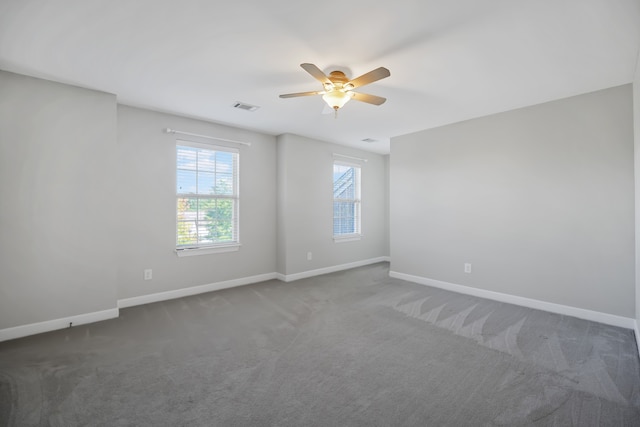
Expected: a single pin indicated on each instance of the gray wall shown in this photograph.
(305, 206)
(146, 193)
(89, 203)
(57, 151)
(636, 127)
(387, 213)
(540, 200)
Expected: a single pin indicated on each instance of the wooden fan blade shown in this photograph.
(317, 73)
(293, 95)
(370, 77)
(369, 99)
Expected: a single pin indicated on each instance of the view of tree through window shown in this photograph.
(346, 199)
(207, 196)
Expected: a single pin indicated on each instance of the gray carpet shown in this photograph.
(353, 348)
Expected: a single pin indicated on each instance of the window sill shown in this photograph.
(347, 238)
(207, 250)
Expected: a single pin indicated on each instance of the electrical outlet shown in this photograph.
(309, 256)
(148, 274)
(467, 267)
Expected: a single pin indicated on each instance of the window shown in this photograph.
(346, 200)
(207, 196)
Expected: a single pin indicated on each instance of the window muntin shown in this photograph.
(207, 196)
(346, 200)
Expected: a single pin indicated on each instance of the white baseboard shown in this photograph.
(596, 316)
(53, 325)
(194, 290)
(332, 269)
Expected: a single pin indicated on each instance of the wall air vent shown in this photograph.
(369, 140)
(247, 107)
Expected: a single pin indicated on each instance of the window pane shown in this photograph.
(186, 227)
(206, 182)
(336, 226)
(343, 209)
(205, 208)
(344, 182)
(186, 181)
(224, 162)
(347, 210)
(225, 210)
(203, 232)
(187, 208)
(224, 184)
(187, 233)
(206, 160)
(187, 157)
(221, 230)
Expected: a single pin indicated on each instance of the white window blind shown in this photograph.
(207, 196)
(346, 199)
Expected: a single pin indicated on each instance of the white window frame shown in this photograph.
(210, 247)
(357, 201)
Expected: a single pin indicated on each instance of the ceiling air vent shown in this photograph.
(247, 107)
(369, 140)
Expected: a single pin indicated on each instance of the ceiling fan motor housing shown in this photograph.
(338, 77)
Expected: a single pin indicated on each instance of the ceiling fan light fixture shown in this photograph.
(336, 99)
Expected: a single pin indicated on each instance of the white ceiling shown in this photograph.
(449, 60)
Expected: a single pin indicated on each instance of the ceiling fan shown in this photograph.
(338, 89)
